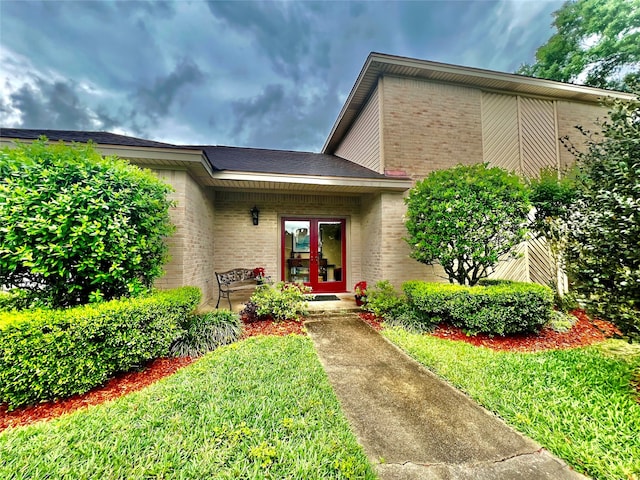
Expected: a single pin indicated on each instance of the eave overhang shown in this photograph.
(197, 164)
(314, 183)
(379, 65)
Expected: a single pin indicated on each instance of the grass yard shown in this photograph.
(260, 408)
(577, 403)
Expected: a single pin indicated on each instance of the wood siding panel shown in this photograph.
(539, 136)
(501, 147)
(514, 269)
(362, 144)
(540, 149)
(540, 262)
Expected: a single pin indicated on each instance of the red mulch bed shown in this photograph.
(584, 332)
(129, 382)
(116, 387)
(269, 327)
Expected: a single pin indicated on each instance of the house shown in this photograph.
(334, 218)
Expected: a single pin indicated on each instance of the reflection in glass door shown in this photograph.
(313, 252)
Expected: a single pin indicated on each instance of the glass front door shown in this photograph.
(313, 252)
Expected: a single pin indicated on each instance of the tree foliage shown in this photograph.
(603, 252)
(76, 227)
(552, 195)
(466, 219)
(597, 42)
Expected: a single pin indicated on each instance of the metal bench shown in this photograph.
(236, 280)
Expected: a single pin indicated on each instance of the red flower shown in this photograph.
(360, 288)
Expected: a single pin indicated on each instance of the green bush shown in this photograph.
(602, 254)
(49, 354)
(207, 331)
(466, 218)
(385, 302)
(382, 299)
(501, 309)
(282, 301)
(76, 227)
(18, 299)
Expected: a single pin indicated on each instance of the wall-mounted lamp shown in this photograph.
(255, 215)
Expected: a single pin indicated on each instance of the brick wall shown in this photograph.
(397, 265)
(240, 244)
(429, 126)
(571, 114)
(191, 246)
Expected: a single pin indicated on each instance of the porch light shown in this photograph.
(255, 215)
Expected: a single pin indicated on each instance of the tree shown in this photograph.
(466, 219)
(603, 251)
(552, 196)
(597, 42)
(76, 227)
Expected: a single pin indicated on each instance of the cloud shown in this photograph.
(280, 30)
(50, 103)
(265, 74)
(157, 100)
(279, 119)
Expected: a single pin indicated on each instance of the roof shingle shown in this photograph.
(238, 159)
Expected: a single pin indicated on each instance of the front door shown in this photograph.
(314, 252)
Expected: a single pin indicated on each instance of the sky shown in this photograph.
(252, 74)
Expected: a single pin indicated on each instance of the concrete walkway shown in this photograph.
(413, 425)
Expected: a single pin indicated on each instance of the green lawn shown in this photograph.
(260, 408)
(577, 403)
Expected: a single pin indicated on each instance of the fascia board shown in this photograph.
(398, 184)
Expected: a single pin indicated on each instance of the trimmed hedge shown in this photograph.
(500, 308)
(49, 354)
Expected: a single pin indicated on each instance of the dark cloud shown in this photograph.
(279, 119)
(156, 101)
(266, 74)
(51, 103)
(285, 32)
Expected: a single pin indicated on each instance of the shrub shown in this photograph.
(501, 309)
(466, 218)
(19, 299)
(49, 354)
(385, 302)
(602, 254)
(77, 227)
(382, 299)
(207, 331)
(282, 301)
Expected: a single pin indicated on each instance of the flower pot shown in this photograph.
(360, 299)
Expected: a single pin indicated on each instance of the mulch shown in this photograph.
(585, 332)
(129, 382)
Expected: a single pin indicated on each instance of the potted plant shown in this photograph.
(259, 273)
(360, 291)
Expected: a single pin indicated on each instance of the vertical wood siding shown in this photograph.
(520, 135)
(501, 148)
(539, 136)
(500, 136)
(539, 150)
(361, 145)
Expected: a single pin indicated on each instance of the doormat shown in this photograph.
(323, 298)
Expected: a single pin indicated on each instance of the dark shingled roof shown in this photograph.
(284, 162)
(105, 138)
(236, 159)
